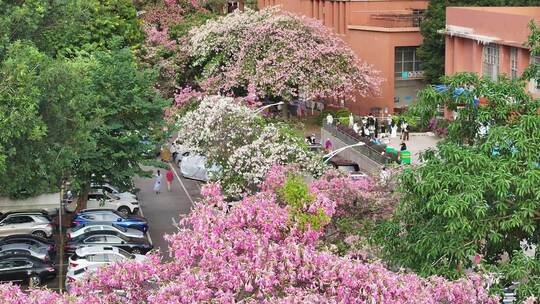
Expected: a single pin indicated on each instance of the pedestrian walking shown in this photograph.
(407, 131)
(169, 177)
(328, 145)
(157, 182)
(393, 130)
(329, 119)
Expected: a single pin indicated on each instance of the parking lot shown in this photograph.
(162, 212)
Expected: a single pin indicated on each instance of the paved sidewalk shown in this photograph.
(163, 210)
(417, 143)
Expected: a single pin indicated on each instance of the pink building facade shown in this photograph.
(490, 41)
(384, 33)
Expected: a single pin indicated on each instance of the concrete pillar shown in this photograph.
(335, 9)
(449, 56)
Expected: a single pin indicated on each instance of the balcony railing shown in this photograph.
(388, 19)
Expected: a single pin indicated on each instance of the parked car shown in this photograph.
(25, 269)
(26, 223)
(195, 167)
(108, 238)
(97, 188)
(31, 240)
(39, 251)
(75, 275)
(107, 200)
(346, 166)
(98, 226)
(109, 216)
(100, 255)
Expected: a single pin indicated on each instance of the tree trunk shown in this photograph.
(241, 5)
(83, 198)
(285, 110)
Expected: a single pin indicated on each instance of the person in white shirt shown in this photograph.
(356, 128)
(329, 119)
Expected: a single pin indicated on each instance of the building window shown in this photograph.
(407, 64)
(513, 63)
(491, 61)
(535, 83)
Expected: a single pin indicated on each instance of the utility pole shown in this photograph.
(61, 235)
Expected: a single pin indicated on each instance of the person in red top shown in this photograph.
(169, 177)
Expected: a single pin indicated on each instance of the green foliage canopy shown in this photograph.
(479, 193)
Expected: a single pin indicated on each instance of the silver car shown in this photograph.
(105, 226)
(39, 251)
(26, 223)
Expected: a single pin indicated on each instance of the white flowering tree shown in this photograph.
(276, 145)
(231, 135)
(217, 127)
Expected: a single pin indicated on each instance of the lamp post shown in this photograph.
(328, 156)
(259, 110)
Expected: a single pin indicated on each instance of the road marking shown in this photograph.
(147, 233)
(182, 184)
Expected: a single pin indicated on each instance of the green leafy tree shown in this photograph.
(478, 194)
(60, 27)
(42, 119)
(431, 52)
(126, 109)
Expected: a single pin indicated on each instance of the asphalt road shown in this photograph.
(163, 210)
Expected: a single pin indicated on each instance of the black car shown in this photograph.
(110, 238)
(29, 239)
(25, 269)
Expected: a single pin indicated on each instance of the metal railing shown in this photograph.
(366, 150)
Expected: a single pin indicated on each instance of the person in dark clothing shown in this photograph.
(403, 146)
(376, 128)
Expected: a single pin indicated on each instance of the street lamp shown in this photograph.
(259, 110)
(328, 156)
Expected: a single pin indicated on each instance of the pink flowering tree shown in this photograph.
(277, 55)
(261, 251)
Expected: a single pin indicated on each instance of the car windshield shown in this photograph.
(79, 271)
(111, 195)
(125, 254)
(347, 169)
(76, 228)
(111, 189)
(35, 247)
(123, 229)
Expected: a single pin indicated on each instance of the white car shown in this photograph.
(107, 200)
(195, 167)
(96, 226)
(73, 276)
(100, 255)
(95, 188)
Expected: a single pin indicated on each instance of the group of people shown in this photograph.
(376, 127)
(169, 177)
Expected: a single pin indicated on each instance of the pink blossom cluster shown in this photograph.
(157, 37)
(254, 254)
(278, 54)
(185, 95)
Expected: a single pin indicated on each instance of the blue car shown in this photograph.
(109, 216)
